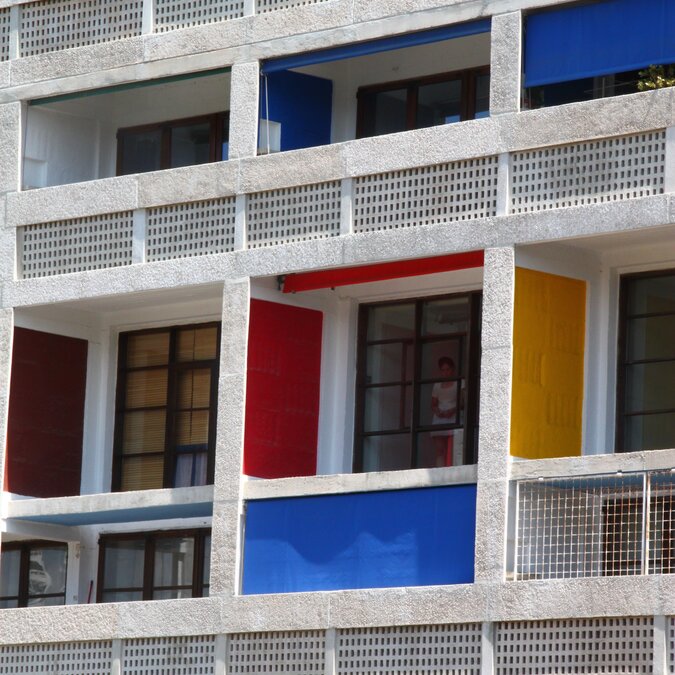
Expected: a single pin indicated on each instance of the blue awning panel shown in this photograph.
(601, 38)
(418, 537)
(375, 46)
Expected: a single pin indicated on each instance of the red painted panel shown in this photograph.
(282, 390)
(346, 276)
(46, 414)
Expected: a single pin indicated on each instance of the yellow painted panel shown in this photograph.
(548, 365)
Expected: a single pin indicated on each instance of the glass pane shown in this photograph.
(651, 294)
(190, 144)
(142, 473)
(386, 453)
(389, 363)
(206, 571)
(389, 322)
(649, 386)
(146, 388)
(190, 469)
(194, 388)
(8, 604)
(192, 431)
(141, 151)
(445, 317)
(651, 338)
(122, 596)
(226, 137)
(387, 408)
(47, 571)
(144, 431)
(10, 562)
(439, 103)
(123, 564)
(386, 112)
(174, 561)
(147, 349)
(197, 344)
(649, 432)
(172, 594)
(482, 96)
(440, 448)
(441, 359)
(440, 404)
(53, 601)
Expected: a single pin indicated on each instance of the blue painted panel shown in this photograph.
(390, 539)
(375, 46)
(598, 39)
(302, 104)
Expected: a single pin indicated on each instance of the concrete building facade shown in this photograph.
(337, 337)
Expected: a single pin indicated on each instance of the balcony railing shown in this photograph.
(55, 25)
(592, 172)
(594, 526)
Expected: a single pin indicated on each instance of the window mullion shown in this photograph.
(149, 567)
(24, 575)
(169, 430)
(415, 398)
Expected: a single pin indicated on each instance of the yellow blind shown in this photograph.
(548, 365)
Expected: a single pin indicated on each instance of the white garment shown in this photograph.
(446, 395)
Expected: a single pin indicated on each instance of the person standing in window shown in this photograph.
(444, 400)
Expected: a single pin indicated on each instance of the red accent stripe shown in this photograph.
(346, 276)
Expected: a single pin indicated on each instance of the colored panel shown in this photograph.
(548, 365)
(282, 390)
(46, 414)
(346, 276)
(598, 39)
(375, 46)
(302, 104)
(420, 537)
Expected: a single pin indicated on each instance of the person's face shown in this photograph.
(447, 370)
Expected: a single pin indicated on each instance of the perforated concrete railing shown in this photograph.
(4, 34)
(591, 172)
(172, 14)
(293, 214)
(426, 195)
(52, 25)
(263, 6)
(595, 526)
(297, 652)
(77, 245)
(186, 230)
(93, 658)
(434, 650)
(593, 646)
(169, 656)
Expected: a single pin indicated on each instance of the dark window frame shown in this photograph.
(471, 377)
(173, 369)
(198, 535)
(622, 354)
(25, 548)
(468, 77)
(216, 137)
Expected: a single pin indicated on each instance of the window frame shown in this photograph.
(622, 354)
(471, 377)
(173, 369)
(198, 535)
(468, 77)
(25, 548)
(216, 137)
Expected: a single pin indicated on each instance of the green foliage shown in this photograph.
(656, 77)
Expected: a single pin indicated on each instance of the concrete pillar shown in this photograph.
(10, 146)
(495, 414)
(244, 96)
(506, 50)
(225, 544)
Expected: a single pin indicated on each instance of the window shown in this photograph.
(33, 574)
(646, 396)
(166, 404)
(424, 102)
(417, 383)
(167, 145)
(154, 565)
